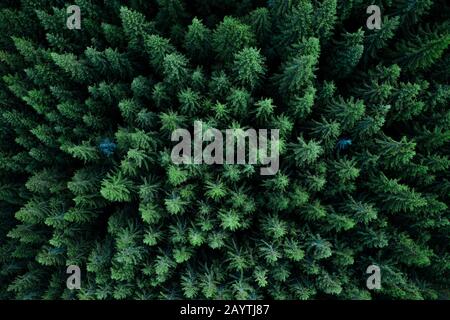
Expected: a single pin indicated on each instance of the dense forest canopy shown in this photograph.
(86, 177)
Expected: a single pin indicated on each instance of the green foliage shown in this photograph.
(249, 67)
(86, 175)
(198, 40)
(230, 37)
(424, 48)
(348, 52)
